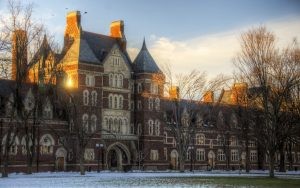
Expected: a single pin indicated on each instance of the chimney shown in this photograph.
(117, 31)
(174, 92)
(208, 97)
(73, 27)
(239, 93)
(19, 55)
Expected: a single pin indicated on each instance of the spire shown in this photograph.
(144, 61)
(144, 47)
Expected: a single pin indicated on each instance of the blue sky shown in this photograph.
(178, 26)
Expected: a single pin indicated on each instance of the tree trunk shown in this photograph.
(272, 165)
(247, 157)
(5, 165)
(282, 161)
(181, 164)
(81, 163)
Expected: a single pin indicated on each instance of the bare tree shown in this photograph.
(275, 72)
(19, 36)
(182, 104)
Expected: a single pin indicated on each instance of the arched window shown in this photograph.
(116, 81)
(111, 80)
(165, 137)
(93, 123)
(23, 144)
(85, 123)
(116, 101)
(120, 102)
(150, 103)
(120, 80)
(13, 149)
(46, 144)
(94, 98)
(157, 127)
(110, 103)
(85, 97)
(150, 123)
(157, 104)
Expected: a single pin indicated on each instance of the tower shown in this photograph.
(149, 82)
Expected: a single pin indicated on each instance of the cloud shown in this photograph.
(212, 53)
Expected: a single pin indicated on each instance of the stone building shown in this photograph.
(122, 104)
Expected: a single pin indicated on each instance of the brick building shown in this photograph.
(124, 104)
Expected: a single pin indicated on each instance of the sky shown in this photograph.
(186, 34)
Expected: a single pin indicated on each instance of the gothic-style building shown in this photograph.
(124, 103)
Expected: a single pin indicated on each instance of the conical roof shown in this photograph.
(144, 62)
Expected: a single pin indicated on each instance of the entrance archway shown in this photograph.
(211, 159)
(174, 159)
(117, 156)
(60, 161)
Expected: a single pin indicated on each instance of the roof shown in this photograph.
(144, 62)
(95, 47)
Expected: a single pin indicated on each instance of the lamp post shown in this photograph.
(102, 157)
(98, 150)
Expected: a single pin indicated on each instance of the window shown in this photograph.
(252, 143)
(85, 123)
(200, 154)
(94, 98)
(298, 156)
(46, 144)
(150, 124)
(200, 139)
(165, 137)
(89, 80)
(139, 129)
(93, 123)
(89, 154)
(139, 87)
(166, 153)
(234, 155)
(120, 102)
(153, 155)
(253, 155)
(115, 81)
(110, 103)
(116, 101)
(188, 154)
(85, 97)
(157, 127)
(233, 141)
(157, 104)
(154, 88)
(139, 105)
(221, 155)
(14, 146)
(111, 79)
(119, 126)
(220, 140)
(150, 103)
(71, 125)
(120, 81)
